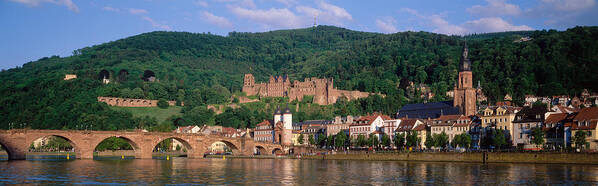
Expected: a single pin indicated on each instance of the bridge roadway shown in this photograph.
(17, 142)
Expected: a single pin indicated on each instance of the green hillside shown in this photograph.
(202, 69)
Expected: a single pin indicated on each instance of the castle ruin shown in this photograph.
(321, 89)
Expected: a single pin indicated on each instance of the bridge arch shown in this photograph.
(134, 145)
(260, 150)
(75, 147)
(7, 149)
(276, 151)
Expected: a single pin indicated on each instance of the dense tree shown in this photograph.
(399, 140)
(441, 140)
(537, 136)
(114, 143)
(300, 139)
(340, 139)
(311, 139)
(162, 103)
(385, 141)
(429, 141)
(412, 139)
(580, 139)
(498, 138)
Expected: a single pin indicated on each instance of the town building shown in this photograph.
(499, 117)
(322, 90)
(339, 124)
(389, 127)
(427, 110)
(557, 127)
(187, 129)
(525, 121)
(412, 125)
(586, 120)
(278, 130)
(367, 124)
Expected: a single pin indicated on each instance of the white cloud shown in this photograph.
(239, 3)
(569, 5)
(68, 3)
(336, 11)
(287, 2)
(482, 25)
(136, 11)
(201, 3)
(271, 18)
(495, 8)
(325, 13)
(111, 9)
(492, 24)
(387, 25)
(156, 24)
(216, 20)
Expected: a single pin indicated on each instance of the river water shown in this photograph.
(288, 171)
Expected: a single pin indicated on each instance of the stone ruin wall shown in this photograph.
(322, 89)
(130, 102)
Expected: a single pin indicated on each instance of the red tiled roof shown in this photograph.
(370, 119)
(420, 127)
(264, 123)
(587, 114)
(448, 117)
(406, 125)
(555, 118)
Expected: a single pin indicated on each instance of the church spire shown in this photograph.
(465, 63)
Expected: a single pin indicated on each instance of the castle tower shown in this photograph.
(287, 131)
(277, 115)
(465, 94)
(248, 85)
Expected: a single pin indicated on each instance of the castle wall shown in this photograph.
(128, 102)
(322, 89)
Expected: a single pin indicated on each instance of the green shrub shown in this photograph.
(162, 103)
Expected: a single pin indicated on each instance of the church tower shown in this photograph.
(465, 94)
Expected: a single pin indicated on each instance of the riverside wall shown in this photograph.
(477, 157)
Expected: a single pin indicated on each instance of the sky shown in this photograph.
(32, 29)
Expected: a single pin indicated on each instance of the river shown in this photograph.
(288, 171)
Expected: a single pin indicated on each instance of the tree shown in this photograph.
(162, 103)
(373, 140)
(322, 140)
(340, 139)
(441, 140)
(300, 139)
(137, 93)
(429, 141)
(580, 139)
(462, 140)
(399, 140)
(498, 139)
(361, 141)
(385, 140)
(311, 139)
(412, 139)
(330, 141)
(537, 136)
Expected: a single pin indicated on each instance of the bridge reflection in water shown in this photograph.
(84, 143)
(291, 172)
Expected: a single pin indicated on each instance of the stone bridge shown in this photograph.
(17, 142)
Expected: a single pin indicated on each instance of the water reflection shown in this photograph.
(289, 172)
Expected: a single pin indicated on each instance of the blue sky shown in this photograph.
(32, 29)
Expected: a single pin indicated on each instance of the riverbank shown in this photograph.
(475, 157)
(248, 157)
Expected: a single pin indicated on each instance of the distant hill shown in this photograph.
(202, 69)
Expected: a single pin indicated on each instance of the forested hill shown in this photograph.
(206, 69)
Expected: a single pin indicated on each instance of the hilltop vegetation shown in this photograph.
(201, 69)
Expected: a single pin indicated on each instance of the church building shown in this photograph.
(465, 95)
(464, 102)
